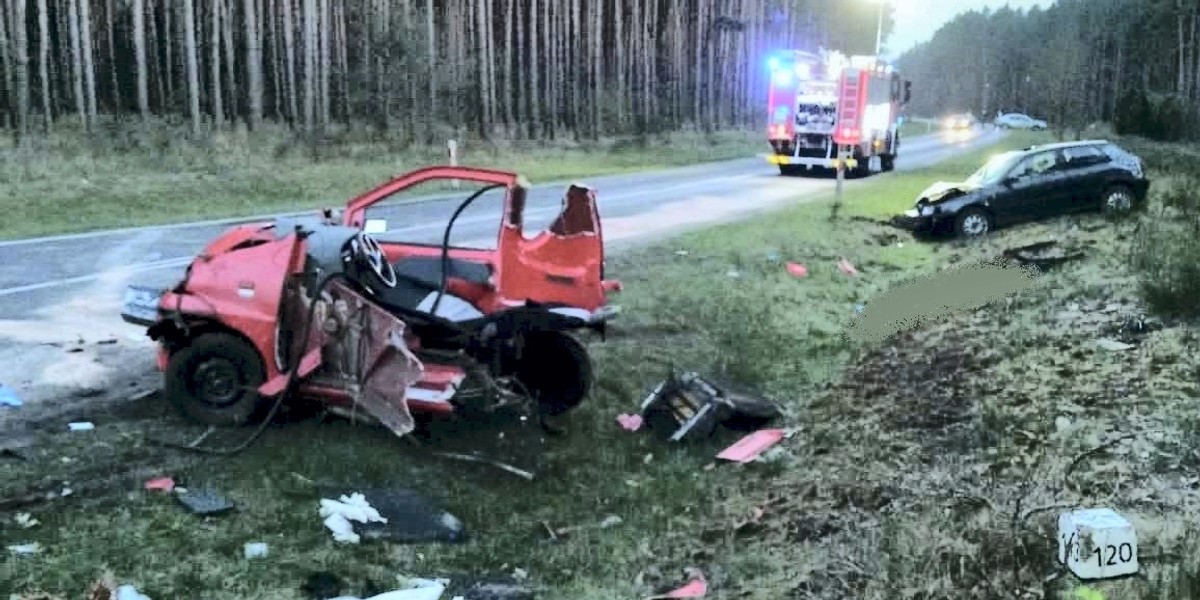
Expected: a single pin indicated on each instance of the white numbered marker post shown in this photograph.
(452, 152)
(1097, 543)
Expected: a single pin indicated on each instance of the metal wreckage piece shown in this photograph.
(687, 406)
(364, 351)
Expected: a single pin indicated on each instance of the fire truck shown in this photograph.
(821, 100)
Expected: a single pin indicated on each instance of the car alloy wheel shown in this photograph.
(1118, 201)
(974, 224)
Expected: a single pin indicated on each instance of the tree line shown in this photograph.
(514, 68)
(1133, 63)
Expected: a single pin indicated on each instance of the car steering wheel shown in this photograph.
(371, 254)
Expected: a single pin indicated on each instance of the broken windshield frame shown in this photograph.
(995, 169)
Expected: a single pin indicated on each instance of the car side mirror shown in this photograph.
(375, 226)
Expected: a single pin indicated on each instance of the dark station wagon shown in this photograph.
(1035, 183)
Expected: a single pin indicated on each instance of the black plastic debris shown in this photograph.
(323, 585)
(204, 502)
(411, 517)
(498, 591)
(688, 406)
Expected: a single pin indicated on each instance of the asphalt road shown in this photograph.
(87, 272)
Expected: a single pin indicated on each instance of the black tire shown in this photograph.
(214, 380)
(791, 170)
(972, 222)
(888, 162)
(1117, 200)
(556, 369)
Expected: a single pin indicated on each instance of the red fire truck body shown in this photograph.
(820, 100)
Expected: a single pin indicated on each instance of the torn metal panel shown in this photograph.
(365, 351)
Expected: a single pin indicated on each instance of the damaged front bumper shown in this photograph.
(912, 220)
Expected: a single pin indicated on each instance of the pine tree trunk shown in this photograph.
(20, 62)
(270, 19)
(618, 45)
(216, 104)
(89, 69)
(534, 66)
(231, 104)
(289, 44)
(343, 63)
(254, 84)
(171, 36)
(432, 63)
(326, 63)
(596, 36)
(506, 82)
(310, 31)
(77, 63)
(110, 36)
(44, 64)
(193, 68)
(7, 51)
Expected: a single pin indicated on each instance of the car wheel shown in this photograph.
(888, 163)
(972, 222)
(556, 370)
(1117, 199)
(215, 379)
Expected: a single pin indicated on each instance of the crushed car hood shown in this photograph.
(940, 190)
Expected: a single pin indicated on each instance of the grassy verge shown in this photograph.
(119, 177)
(923, 468)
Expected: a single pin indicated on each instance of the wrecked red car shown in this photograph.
(319, 308)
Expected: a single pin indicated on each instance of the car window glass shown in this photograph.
(1083, 156)
(1035, 164)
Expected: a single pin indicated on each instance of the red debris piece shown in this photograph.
(847, 268)
(749, 447)
(630, 422)
(696, 588)
(162, 484)
(797, 269)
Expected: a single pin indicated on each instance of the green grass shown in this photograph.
(764, 329)
(119, 177)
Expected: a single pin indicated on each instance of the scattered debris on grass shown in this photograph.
(750, 447)
(797, 270)
(630, 422)
(323, 585)
(128, 592)
(337, 515)
(160, 484)
(255, 550)
(688, 406)
(697, 587)
(846, 267)
(487, 461)
(1113, 345)
(81, 426)
(405, 517)
(29, 548)
(412, 589)
(25, 521)
(204, 502)
(560, 532)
